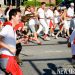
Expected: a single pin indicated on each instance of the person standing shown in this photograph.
(8, 49)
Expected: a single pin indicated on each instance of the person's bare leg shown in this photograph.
(56, 36)
(36, 37)
(68, 32)
(52, 32)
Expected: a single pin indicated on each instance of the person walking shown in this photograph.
(43, 23)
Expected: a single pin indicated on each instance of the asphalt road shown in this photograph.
(51, 58)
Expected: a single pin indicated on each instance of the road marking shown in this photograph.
(58, 51)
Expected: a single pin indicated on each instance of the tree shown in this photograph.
(59, 1)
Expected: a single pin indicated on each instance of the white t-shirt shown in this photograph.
(41, 13)
(56, 13)
(49, 13)
(31, 22)
(56, 16)
(10, 39)
(70, 12)
(27, 12)
(7, 14)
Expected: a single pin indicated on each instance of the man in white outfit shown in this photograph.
(50, 18)
(70, 13)
(42, 20)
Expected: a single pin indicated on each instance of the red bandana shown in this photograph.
(21, 24)
(7, 23)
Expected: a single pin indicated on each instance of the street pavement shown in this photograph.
(51, 58)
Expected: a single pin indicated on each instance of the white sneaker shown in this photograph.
(47, 38)
(52, 35)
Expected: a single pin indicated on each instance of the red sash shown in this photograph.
(60, 27)
(51, 25)
(7, 23)
(12, 66)
(0, 22)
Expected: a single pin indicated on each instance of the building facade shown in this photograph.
(13, 2)
(48, 1)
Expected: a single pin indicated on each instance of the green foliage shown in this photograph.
(32, 3)
(35, 3)
(50, 4)
(59, 1)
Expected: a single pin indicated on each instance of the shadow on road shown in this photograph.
(52, 68)
(35, 44)
(62, 42)
(49, 59)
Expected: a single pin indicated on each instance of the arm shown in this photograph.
(20, 40)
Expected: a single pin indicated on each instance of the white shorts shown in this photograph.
(32, 25)
(56, 20)
(66, 24)
(31, 22)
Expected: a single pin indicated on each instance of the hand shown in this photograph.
(20, 40)
(12, 50)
